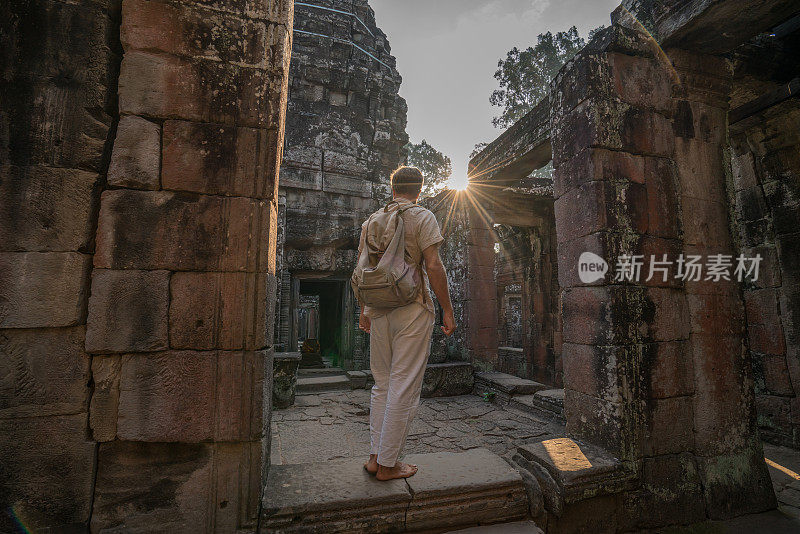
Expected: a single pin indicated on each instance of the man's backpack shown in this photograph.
(382, 277)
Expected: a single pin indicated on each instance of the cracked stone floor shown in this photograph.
(336, 425)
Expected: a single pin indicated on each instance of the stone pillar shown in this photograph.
(654, 370)
(481, 304)
(56, 118)
(729, 455)
(765, 161)
(181, 308)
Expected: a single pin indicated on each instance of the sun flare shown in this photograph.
(459, 183)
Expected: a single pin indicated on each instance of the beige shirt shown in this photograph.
(422, 231)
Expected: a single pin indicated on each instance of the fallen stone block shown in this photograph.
(358, 379)
(447, 379)
(504, 386)
(284, 378)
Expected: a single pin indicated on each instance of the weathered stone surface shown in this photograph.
(149, 230)
(447, 379)
(701, 26)
(508, 384)
(345, 132)
(659, 502)
(47, 465)
(59, 73)
(310, 498)
(43, 372)
(169, 87)
(219, 160)
(191, 396)
(136, 158)
(284, 378)
(220, 310)
(197, 31)
(103, 410)
(199, 486)
(477, 484)
(314, 384)
(612, 126)
(461, 489)
(128, 311)
(358, 379)
(46, 208)
(43, 289)
(736, 483)
(515, 527)
(570, 462)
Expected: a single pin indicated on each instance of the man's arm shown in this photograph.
(438, 279)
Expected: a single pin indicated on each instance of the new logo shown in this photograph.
(591, 267)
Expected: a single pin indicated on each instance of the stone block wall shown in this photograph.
(57, 120)
(180, 318)
(765, 173)
(140, 146)
(655, 371)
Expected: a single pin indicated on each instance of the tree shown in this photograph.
(525, 75)
(435, 166)
(478, 149)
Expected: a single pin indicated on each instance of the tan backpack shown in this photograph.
(382, 277)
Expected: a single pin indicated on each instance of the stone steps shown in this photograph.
(522, 394)
(451, 491)
(323, 371)
(549, 402)
(317, 384)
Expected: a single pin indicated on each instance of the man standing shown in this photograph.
(400, 338)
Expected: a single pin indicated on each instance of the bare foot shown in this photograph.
(400, 470)
(372, 464)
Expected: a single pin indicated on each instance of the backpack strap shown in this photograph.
(423, 288)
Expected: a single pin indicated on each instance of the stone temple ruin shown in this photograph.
(345, 133)
(179, 178)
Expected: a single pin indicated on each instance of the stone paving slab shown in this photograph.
(465, 488)
(460, 472)
(517, 527)
(784, 470)
(333, 425)
(336, 496)
(451, 490)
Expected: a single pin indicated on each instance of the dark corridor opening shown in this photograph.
(320, 313)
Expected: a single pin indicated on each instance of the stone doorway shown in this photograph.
(324, 313)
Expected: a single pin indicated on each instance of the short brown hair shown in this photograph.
(407, 180)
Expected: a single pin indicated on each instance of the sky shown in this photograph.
(447, 52)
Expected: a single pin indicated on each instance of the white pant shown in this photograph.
(399, 345)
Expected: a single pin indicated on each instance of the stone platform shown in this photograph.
(451, 490)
